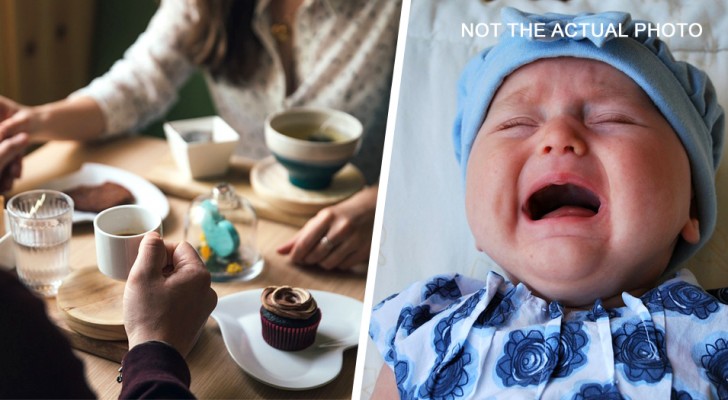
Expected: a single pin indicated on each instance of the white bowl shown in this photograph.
(312, 163)
(201, 159)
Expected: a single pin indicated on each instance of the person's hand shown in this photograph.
(8, 108)
(11, 160)
(168, 295)
(11, 153)
(15, 118)
(11, 150)
(339, 236)
(78, 118)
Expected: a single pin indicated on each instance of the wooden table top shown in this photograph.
(214, 373)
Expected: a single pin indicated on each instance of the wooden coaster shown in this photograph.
(91, 304)
(270, 182)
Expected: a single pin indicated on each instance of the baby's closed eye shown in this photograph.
(516, 125)
(611, 118)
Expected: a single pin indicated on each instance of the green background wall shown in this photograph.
(118, 24)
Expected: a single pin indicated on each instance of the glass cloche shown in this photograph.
(222, 228)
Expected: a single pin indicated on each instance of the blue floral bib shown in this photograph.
(454, 337)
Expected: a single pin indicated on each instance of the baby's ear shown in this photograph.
(691, 231)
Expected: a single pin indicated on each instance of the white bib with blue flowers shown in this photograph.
(454, 337)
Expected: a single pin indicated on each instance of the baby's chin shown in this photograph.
(575, 295)
(579, 285)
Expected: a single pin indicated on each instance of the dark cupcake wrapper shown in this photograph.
(289, 338)
(289, 322)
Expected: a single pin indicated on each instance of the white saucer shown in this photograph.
(269, 180)
(239, 319)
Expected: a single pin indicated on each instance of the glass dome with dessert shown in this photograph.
(222, 228)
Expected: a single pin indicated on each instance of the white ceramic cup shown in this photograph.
(118, 232)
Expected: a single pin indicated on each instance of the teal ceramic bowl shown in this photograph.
(313, 144)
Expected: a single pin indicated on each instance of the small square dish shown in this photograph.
(201, 147)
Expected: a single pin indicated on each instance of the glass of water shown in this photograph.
(40, 221)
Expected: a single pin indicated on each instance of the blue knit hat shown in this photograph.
(683, 93)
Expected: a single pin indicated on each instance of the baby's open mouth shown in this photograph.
(567, 200)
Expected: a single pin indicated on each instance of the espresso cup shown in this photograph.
(118, 231)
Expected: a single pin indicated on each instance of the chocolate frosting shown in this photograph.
(288, 302)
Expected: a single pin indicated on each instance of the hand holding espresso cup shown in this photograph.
(167, 297)
(118, 232)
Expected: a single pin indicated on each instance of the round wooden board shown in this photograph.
(91, 304)
(269, 180)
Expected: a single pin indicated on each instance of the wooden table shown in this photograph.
(214, 373)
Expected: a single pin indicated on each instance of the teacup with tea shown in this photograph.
(313, 144)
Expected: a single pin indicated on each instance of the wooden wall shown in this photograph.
(45, 48)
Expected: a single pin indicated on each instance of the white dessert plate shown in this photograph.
(146, 194)
(239, 319)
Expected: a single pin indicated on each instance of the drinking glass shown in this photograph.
(40, 222)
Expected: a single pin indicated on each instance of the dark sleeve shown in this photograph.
(36, 360)
(155, 370)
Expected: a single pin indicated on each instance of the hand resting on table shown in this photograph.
(339, 236)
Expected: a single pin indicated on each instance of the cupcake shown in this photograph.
(290, 317)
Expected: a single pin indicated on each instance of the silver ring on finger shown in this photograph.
(327, 243)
